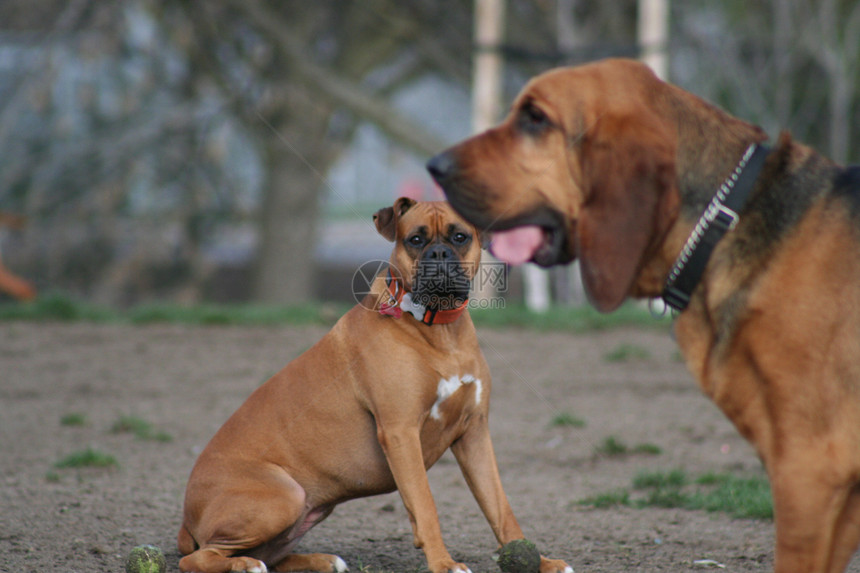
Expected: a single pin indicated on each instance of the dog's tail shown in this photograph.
(185, 541)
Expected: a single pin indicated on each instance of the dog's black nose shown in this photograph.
(439, 253)
(442, 166)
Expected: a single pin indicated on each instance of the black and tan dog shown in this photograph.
(396, 382)
(658, 193)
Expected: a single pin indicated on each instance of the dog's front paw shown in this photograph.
(554, 566)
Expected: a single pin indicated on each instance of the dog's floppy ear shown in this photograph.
(630, 201)
(386, 219)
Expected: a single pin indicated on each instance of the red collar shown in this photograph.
(400, 300)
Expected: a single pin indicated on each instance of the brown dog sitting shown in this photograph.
(396, 382)
(659, 193)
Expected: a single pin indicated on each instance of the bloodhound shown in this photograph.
(660, 194)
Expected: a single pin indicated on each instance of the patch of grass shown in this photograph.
(666, 497)
(608, 499)
(745, 497)
(627, 353)
(88, 458)
(711, 478)
(246, 314)
(62, 307)
(738, 496)
(566, 420)
(74, 419)
(55, 307)
(647, 449)
(141, 429)
(611, 446)
(131, 425)
(568, 318)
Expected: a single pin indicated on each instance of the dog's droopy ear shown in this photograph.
(386, 219)
(630, 201)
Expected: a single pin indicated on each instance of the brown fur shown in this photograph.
(10, 283)
(620, 165)
(351, 417)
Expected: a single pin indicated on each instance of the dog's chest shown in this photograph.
(450, 410)
(456, 395)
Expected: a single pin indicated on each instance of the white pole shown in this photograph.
(487, 64)
(536, 283)
(486, 111)
(487, 70)
(653, 33)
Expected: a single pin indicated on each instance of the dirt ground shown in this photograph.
(187, 380)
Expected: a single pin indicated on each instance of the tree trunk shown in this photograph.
(288, 222)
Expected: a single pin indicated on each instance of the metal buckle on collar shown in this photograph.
(725, 218)
(675, 298)
(392, 296)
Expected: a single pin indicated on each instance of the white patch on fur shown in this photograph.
(260, 569)
(478, 389)
(340, 565)
(447, 387)
(458, 570)
(568, 569)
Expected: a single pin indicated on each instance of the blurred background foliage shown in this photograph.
(235, 150)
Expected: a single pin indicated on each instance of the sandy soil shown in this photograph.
(187, 380)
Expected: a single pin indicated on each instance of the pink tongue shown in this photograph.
(517, 246)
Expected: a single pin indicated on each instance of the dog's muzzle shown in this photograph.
(441, 281)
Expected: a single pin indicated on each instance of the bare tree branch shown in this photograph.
(342, 92)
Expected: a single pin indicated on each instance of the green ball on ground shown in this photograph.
(145, 559)
(519, 556)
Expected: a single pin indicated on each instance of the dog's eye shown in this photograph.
(459, 238)
(535, 114)
(415, 240)
(532, 119)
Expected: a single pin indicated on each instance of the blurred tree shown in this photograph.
(298, 76)
(830, 33)
(785, 64)
(286, 68)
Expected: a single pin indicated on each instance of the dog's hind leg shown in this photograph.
(230, 521)
(320, 562)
